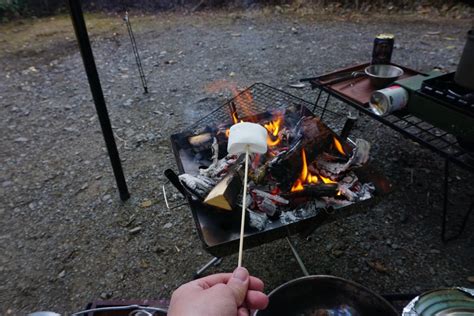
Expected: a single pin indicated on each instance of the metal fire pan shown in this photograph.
(219, 230)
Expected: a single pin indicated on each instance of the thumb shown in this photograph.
(239, 283)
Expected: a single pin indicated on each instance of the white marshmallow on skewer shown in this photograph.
(246, 138)
(245, 135)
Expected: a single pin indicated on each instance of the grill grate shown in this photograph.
(259, 98)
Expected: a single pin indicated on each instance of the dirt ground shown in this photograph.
(67, 239)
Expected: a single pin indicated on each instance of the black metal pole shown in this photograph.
(96, 90)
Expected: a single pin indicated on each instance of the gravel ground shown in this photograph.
(66, 238)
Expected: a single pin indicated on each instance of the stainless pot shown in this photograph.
(381, 76)
(325, 295)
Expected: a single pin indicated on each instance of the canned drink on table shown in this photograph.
(388, 100)
(383, 48)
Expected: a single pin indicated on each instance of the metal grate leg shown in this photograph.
(297, 257)
(212, 263)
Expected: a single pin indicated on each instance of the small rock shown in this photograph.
(6, 184)
(135, 230)
(168, 225)
(21, 140)
(378, 266)
(470, 279)
(105, 295)
(128, 121)
(435, 251)
(158, 249)
(337, 253)
(32, 206)
(62, 274)
(106, 197)
(232, 74)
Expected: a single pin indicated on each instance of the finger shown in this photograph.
(256, 300)
(239, 283)
(243, 312)
(211, 280)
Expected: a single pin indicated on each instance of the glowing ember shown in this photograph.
(338, 146)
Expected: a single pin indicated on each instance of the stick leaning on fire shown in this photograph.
(246, 138)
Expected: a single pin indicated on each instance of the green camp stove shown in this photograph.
(438, 100)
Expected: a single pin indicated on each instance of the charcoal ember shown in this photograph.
(266, 202)
(353, 190)
(273, 197)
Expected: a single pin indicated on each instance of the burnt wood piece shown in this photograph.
(312, 191)
(225, 193)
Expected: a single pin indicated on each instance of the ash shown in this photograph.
(258, 220)
(307, 210)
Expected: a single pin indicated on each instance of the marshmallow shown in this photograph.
(247, 135)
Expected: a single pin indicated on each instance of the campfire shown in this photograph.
(307, 165)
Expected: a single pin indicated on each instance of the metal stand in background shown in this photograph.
(135, 52)
(445, 208)
(94, 82)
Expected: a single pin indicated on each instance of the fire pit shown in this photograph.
(308, 173)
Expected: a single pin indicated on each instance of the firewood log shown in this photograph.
(224, 194)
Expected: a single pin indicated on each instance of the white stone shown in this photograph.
(247, 135)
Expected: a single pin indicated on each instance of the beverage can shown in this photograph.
(388, 100)
(383, 48)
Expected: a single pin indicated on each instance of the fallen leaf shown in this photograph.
(144, 264)
(450, 47)
(378, 266)
(146, 203)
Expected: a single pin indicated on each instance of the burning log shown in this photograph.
(225, 193)
(313, 191)
(314, 137)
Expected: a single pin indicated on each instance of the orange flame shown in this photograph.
(273, 127)
(338, 146)
(235, 119)
(305, 175)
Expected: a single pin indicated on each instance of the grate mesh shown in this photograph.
(260, 98)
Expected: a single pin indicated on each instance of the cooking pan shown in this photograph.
(316, 295)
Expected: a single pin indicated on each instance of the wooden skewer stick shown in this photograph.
(244, 206)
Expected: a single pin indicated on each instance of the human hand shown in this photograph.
(222, 294)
